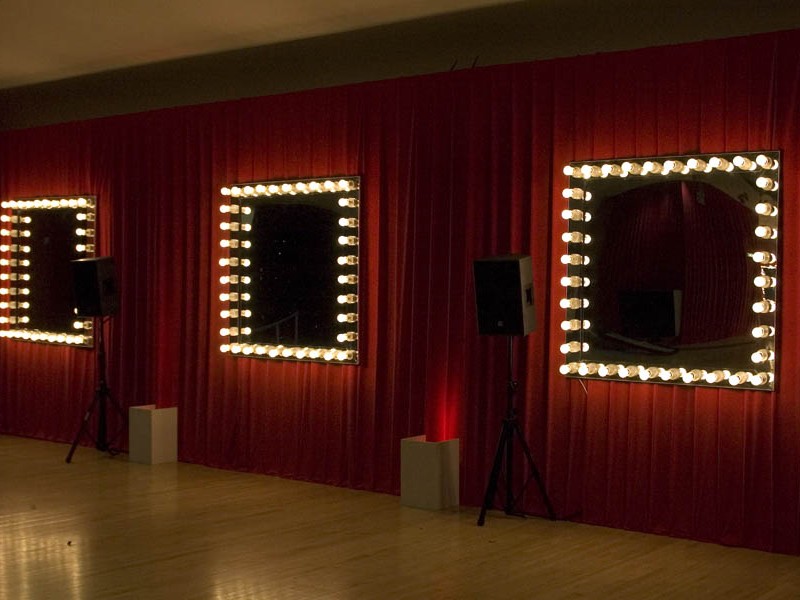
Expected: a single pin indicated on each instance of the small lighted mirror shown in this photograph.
(289, 281)
(39, 239)
(672, 269)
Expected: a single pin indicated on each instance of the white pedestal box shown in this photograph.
(152, 434)
(429, 473)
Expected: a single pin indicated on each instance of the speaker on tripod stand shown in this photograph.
(95, 291)
(504, 302)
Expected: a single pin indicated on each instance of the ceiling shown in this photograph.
(47, 40)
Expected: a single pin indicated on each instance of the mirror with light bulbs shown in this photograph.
(289, 269)
(40, 236)
(672, 269)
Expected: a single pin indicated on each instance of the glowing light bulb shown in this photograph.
(632, 168)
(767, 184)
(764, 306)
(568, 368)
(587, 369)
(744, 163)
(697, 164)
(763, 355)
(693, 376)
(721, 164)
(717, 376)
(765, 281)
(575, 281)
(589, 171)
(573, 303)
(670, 374)
(764, 258)
(761, 378)
(571, 325)
(651, 166)
(766, 233)
(607, 370)
(672, 166)
(766, 209)
(576, 215)
(571, 171)
(765, 162)
(572, 193)
(628, 371)
(570, 347)
(763, 331)
(739, 378)
(576, 237)
(574, 259)
(647, 373)
(610, 169)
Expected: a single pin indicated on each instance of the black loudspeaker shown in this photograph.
(94, 283)
(504, 295)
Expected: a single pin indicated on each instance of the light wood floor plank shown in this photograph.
(103, 528)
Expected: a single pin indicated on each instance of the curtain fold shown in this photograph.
(454, 167)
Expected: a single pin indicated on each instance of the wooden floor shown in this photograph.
(105, 528)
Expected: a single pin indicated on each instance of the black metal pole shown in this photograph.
(510, 416)
(102, 390)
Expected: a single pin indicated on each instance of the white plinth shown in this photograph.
(153, 434)
(429, 473)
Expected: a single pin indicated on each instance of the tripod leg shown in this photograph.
(102, 428)
(551, 514)
(84, 426)
(491, 487)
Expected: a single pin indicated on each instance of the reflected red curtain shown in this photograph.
(454, 167)
(685, 236)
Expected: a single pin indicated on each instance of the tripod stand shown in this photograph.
(509, 430)
(102, 398)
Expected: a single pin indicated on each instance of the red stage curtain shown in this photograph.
(454, 167)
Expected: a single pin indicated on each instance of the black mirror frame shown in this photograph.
(235, 209)
(762, 170)
(15, 267)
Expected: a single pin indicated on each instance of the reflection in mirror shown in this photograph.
(290, 270)
(39, 239)
(672, 269)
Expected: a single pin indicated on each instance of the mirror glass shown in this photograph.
(672, 269)
(40, 238)
(290, 263)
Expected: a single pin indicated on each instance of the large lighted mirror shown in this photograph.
(672, 269)
(39, 239)
(290, 269)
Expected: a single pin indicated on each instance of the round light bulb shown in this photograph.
(766, 209)
(763, 331)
